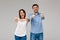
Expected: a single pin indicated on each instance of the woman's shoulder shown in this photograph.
(27, 20)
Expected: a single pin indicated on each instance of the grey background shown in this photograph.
(9, 9)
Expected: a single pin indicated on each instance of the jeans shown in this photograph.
(37, 36)
(20, 38)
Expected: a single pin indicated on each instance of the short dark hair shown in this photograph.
(35, 5)
(23, 12)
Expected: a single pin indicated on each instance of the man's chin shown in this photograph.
(36, 12)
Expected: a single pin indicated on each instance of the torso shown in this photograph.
(36, 24)
(21, 28)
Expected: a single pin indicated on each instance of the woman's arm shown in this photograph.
(27, 20)
(16, 19)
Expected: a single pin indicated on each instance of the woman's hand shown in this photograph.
(16, 19)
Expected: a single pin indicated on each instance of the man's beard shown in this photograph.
(36, 12)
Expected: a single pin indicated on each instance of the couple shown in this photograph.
(36, 18)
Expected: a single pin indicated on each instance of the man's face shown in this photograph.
(35, 9)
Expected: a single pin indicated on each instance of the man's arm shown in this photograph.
(42, 15)
(31, 16)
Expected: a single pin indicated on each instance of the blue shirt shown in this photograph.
(36, 23)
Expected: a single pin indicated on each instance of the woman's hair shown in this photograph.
(23, 12)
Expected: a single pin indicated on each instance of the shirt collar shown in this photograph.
(36, 13)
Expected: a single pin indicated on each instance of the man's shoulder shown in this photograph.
(39, 13)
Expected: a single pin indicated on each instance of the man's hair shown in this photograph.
(35, 5)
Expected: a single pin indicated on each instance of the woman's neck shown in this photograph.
(22, 18)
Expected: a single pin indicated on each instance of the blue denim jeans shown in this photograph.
(38, 36)
(20, 38)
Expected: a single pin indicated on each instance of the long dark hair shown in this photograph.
(23, 12)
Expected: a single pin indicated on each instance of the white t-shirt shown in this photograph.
(21, 28)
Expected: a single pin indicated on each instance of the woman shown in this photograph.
(20, 33)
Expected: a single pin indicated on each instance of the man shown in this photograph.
(36, 24)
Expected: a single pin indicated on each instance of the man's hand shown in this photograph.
(42, 15)
(33, 16)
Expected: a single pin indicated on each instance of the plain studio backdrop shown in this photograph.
(9, 9)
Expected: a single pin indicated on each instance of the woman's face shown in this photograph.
(22, 14)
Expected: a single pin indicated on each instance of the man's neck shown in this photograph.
(36, 13)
